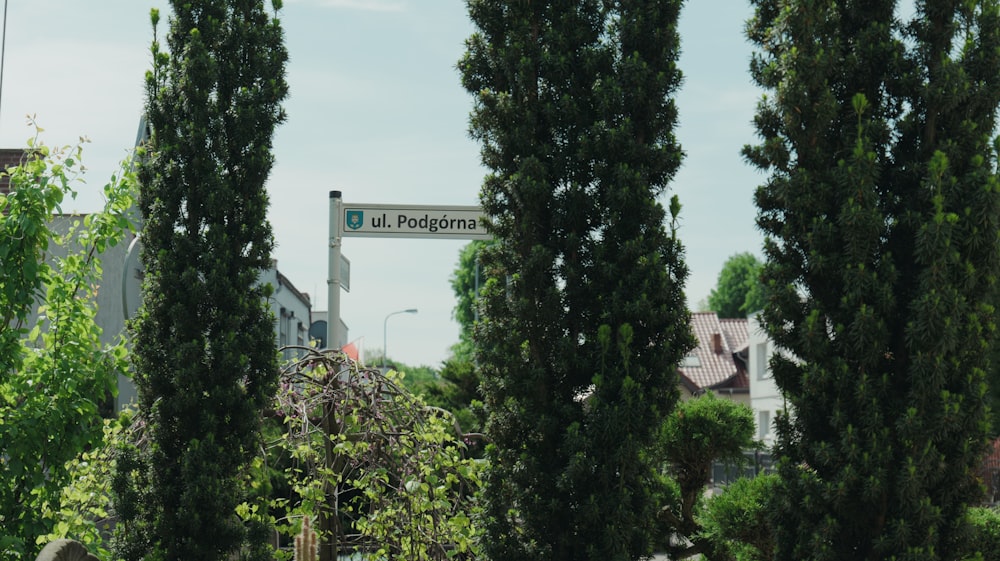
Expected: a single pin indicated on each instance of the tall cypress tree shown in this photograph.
(578, 345)
(204, 351)
(881, 216)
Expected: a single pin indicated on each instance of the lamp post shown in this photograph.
(385, 326)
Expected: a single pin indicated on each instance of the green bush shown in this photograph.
(985, 542)
(737, 523)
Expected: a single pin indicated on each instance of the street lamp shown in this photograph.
(385, 325)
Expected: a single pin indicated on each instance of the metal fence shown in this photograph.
(754, 463)
(757, 462)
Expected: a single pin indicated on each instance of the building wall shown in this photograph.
(120, 275)
(320, 318)
(9, 157)
(110, 316)
(292, 313)
(765, 399)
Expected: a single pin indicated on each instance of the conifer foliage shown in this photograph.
(584, 318)
(204, 351)
(881, 214)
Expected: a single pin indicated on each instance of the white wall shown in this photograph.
(110, 316)
(765, 399)
(292, 315)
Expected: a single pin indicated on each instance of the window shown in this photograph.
(691, 361)
(282, 328)
(763, 424)
(760, 362)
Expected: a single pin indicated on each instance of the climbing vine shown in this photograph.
(55, 372)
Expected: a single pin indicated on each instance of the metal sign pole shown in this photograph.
(333, 334)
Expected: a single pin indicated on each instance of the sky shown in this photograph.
(376, 110)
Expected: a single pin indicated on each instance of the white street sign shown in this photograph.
(412, 221)
(345, 273)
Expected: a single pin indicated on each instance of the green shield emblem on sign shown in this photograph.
(355, 219)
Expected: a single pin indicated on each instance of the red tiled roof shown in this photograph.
(740, 381)
(712, 363)
(736, 333)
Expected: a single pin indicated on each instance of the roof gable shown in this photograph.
(712, 363)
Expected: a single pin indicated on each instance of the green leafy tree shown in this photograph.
(583, 316)
(881, 213)
(458, 391)
(56, 375)
(458, 387)
(204, 353)
(413, 377)
(985, 542)
(85, 511)
(738, 523)
(455, 388)
(737, 292)
(386, 474)
(699, 433)
(466, 281)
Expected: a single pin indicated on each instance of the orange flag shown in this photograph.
(352, 350)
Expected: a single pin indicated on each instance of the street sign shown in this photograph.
(412, 221)
(345, 273)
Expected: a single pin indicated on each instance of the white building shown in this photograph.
(765, 399)
(318, 331)
(292, 311)
(121, 277)
(110, 315)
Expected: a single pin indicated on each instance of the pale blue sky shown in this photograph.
(376, 111)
